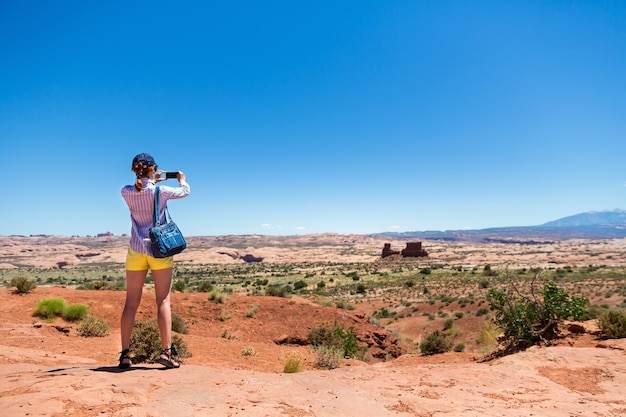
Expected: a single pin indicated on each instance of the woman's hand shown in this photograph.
(158, 177)
(181, 176)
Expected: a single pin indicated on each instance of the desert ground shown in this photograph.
(48, 369)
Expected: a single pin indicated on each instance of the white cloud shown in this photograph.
(268, 226)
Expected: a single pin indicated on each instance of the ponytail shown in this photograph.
(141, 170)
(138, 184)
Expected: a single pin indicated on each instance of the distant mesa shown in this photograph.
(106, 234)
(412, 250)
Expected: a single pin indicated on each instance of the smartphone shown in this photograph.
(171, 175)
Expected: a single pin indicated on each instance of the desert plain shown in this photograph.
(48, 369)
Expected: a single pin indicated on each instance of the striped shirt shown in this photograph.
(141, 205)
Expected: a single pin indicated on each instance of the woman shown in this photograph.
(140, 200)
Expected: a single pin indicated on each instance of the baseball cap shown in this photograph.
(145, 159)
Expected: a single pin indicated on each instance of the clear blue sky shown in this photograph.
(295, 117)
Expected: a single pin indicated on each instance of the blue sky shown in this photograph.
(311, 117)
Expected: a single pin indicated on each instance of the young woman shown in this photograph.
(139, 259)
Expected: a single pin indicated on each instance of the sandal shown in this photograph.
(124, 355)
(170, 360)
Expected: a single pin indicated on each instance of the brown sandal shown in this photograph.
(171, 360)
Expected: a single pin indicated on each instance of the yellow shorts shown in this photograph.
(136, 261)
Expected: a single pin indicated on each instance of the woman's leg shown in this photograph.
(163, 287)
(134, 287)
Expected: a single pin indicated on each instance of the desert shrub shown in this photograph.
(23, 285)
(613, 324)
(224, 315)
(482, 311)
(93, 327)
(328, 357)
(253, 310)
(434, 343)
(145, 342)
(448, 323)
(249, 351)
(344, 340)
(180, 285)
(526, 319)
(293, 363)
(217, 296)
(49, 308)
(460, 346)
(299, 285)
(205, 286)
(178, 324)
(488, 272)
(75, 312)
(361, 289)
(276, 290)
(483, 283)
(343, 304)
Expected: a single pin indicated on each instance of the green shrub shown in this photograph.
(145, 343)
(23, 285)
(49, 308)
(526, 319)
(178, 324)
(293, 363)
(448, 323)
(253, 310)
(299, 285)
(276, 290)
(180, 285)
(434, 343)
(75, 312)
(93, 327)
(217, 296)
(613, 324)
(345, 340)
(460, 346)
(205, 286)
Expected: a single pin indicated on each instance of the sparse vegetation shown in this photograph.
(249, 351)
(75, 312)
(328, 357)
(145, 342)
(613, 324)
(529, 316)
(434, 343)
(178, 324)
(93, 327)
(217, 296)
(251, 313)
(293, 362)
(23, 285)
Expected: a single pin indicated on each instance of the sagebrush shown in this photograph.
(145, 343)
(93, 327)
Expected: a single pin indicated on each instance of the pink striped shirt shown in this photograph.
(141, 205)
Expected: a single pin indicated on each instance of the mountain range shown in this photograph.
(608, 224)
